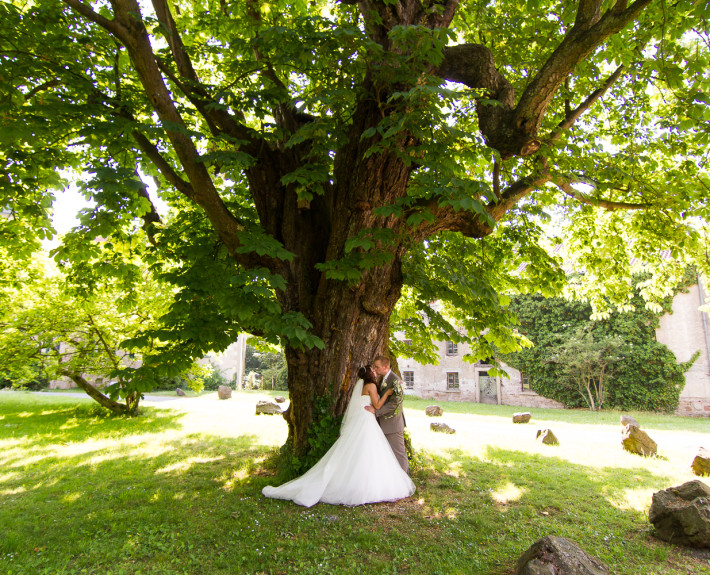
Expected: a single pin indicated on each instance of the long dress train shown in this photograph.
(359, 468)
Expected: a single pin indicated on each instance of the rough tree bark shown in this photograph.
(352, 320)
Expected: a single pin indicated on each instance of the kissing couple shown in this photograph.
(368, 462)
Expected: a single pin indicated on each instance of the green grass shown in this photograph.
(581, 416)
(178, 491)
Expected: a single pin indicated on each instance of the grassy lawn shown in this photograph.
(162, 392)
(177, 490)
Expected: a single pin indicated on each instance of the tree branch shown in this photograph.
(517, 191)
(41, 87)
(471, 224)
(151, 217)
(285, 114)
(588, 13)
(154, 155)
(572, 116)
(609, 205)
(128, 28)
(217, 117)
(95, 394)
(88, 13)
(109, 353)
(588, 33)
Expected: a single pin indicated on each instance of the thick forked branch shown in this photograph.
(588, 32)
(513, 129)
(473, 65)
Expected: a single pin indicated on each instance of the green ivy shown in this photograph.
(322, 434)
(648, 377)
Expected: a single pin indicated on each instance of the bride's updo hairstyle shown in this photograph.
(365, 373)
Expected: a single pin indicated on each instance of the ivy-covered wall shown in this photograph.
(646, 375)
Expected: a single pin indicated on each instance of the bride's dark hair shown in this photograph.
(365, 373)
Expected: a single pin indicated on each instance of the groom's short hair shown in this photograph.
(385, 361)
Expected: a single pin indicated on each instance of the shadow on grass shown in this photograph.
(192, 504)
(44, 422)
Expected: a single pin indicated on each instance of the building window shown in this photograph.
(408, 379)
(452, 348)
(525, 382)
(487, 361)
(452, 380)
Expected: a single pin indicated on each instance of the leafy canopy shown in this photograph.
(612, 161)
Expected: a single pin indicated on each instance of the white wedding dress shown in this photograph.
(359, 468)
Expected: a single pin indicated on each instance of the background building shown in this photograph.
(684, 331)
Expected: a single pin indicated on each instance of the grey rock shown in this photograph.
(280, 399)
(554, 555)
(628, 420)
(547, 437)
(179, 392)
(441, 428)
(701, 463)
(224, 392)
(434, 411)
(522, 417)
(267, 408)
(681, 515)
(636, 441)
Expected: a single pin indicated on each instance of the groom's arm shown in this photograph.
(394, 402)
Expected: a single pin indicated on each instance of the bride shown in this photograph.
(360, 466)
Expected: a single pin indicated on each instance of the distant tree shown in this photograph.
(50, 329)
(269, 362)
(586, 365)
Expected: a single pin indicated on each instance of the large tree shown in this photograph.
(322, 159)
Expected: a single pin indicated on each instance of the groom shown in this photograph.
(390, 416)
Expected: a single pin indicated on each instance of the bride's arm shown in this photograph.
(378, 401)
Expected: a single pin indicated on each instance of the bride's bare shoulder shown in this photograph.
(367, 388)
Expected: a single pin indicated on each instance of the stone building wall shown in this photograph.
(439, 382)
(685, 331)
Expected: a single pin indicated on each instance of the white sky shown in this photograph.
(69, 201)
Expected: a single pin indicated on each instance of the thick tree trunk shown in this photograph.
(354, 326)
(350, 317)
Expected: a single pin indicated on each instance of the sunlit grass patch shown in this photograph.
(507, 493)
